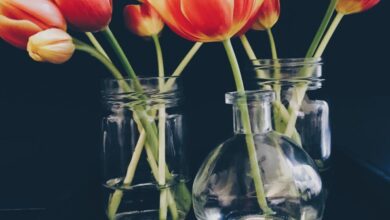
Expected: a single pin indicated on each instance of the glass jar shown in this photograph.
(226, 188)
(144, 164)
(297, 112)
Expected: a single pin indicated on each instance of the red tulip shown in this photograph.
(355, 6)
(20, 19)
(143, 20)
(206, 20)
(86, 15)
(268, 15)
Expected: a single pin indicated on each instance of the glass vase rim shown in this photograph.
(141, 78)
(289, 61)
(150, 85)
(145, 91)
(250, 96)
(290, 69)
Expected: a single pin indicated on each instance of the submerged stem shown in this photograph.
(253, 160)
(161, 135)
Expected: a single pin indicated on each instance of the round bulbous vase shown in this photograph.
(225, 187)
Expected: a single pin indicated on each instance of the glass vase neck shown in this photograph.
(255, 103)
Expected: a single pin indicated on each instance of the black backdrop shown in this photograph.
(50, 115)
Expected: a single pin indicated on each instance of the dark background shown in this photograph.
(50, 115)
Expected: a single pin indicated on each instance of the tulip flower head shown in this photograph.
(143, 20)
(206, 20)
(268, 15)
(20, 19)
(52, 45)
(355, 6)
(86, 15)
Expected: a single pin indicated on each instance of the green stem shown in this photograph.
(151, 135)
(295, 103)
(299, 93)
(81, 46)
(277, 87)
(272, 44)
(160, 59)
(162, 164)
(328, 35)
(235, 66)
(249, 50)
(152, 139)
(253, 160)
(120, 53)
(186, 60)
(251, 55)
(183, 64)
(161, 134)
(321, 30)
(280, 111)
(116, 198)
(97, 45)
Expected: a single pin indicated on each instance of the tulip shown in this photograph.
(268, 15)
(346, 7)
(86, 15)
(20, 19)
(52, 45)
(143, 20)
(206, 20)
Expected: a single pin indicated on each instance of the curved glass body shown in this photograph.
(144, 168)
(224, 188)
(298, 111)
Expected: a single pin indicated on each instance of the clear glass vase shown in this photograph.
(144, 164)
(298, 113)
(277, 180)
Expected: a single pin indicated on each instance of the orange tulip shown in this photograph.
(206, 20)
(52, 45)
(143, 20)
(268, 15)
(355, 6)
(20, 19)
(86, 15)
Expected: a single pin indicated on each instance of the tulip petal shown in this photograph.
(43, 13)
(212, 17)
(206, 20)
(170, 11)
(17, 32)
(86, 15)
(52, 45)
(355, 6)
(143, 20)
(268, 15)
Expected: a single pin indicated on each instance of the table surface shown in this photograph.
(355, 193)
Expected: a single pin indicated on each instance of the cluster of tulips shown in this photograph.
(40, 27)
